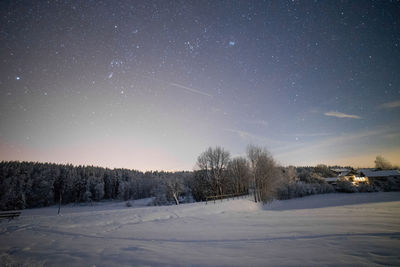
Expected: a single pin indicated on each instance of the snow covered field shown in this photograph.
(332, 229)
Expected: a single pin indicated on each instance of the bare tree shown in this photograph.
(175, 188)
(253, 153)
(214, 162)
(239, 172)
(266, 175)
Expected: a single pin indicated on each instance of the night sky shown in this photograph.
(149, 85)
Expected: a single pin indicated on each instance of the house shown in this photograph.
(387, 180)
(346, 174)
(340, 173)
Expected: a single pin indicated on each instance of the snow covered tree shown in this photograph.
(123, 190)
(99, 191)
(324, 171)
(382, 163)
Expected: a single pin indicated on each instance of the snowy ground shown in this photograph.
(332, 229)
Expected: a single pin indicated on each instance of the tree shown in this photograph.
(201, 186)
(174, 188)
(266, 174)
(382, 163)
(290, 174)
(253, 153)
(99, 191)
(324, 170)
(214, 162)
(239, 172)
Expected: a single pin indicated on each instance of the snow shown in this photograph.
(331, 229)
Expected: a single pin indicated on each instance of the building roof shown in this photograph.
(365, 170)
(341, 171)
(385, 173)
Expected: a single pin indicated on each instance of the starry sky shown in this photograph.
(149, 85)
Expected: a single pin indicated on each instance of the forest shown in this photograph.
(32, 184)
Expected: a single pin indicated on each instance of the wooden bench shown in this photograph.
(9, 214)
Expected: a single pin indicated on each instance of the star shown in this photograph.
(18, 78)
(232, 43)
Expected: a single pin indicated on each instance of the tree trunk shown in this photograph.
(176, 199)
(59, 204)
(255, 189)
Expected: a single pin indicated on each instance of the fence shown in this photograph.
(227, 196)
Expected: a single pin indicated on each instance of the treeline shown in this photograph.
(31, 184)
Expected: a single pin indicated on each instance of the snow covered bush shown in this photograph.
(301, 189)
(345, 186)
(390, 184)
(363, 187)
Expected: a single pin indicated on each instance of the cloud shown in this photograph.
(258, 122)
(190, 89)
(242, 134)
(252, 138)
(341, 115)
(308, 134)
(393, 104)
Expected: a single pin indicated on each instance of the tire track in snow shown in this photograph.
(265, 239)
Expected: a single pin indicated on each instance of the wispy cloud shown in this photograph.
(258, 122)
(190, 89)
(341, 115)
(252, 138)
(308, 134)
(388, 105)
